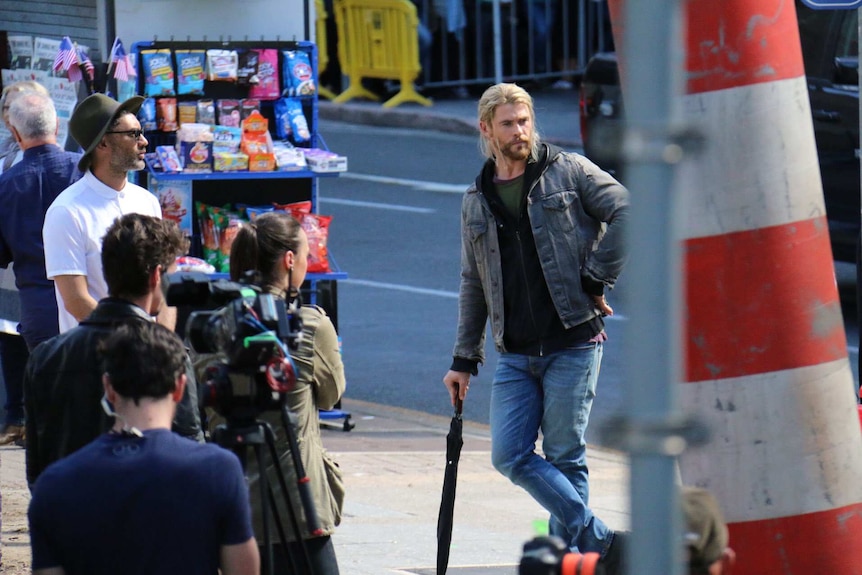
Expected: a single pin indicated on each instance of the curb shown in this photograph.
(392, 118)
(374, 114)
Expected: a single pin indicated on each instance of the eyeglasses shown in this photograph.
(134, 134)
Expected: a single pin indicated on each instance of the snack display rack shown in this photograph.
(251, 187)
(218, 188)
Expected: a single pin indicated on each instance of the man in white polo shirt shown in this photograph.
(113, 143)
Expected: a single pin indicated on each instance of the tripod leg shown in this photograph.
(265, 502)
(288, 419)
(273, 507)
(300, 472)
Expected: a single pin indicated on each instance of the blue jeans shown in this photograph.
(554, 393)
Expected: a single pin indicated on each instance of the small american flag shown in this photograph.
(123, 69)
(66, 55)
(85, 64)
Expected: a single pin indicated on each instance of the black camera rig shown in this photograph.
(250, 334)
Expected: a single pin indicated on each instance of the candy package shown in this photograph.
(222, 65)
(298, 74)
(247, 106)
(169, 159)
(257, 143)
(166, 114)
(252, 212)
(290, 120)
(267, 74)
(158, 72)
(226, 139)
(190, 71)
(230, 162)
(247, 68)
(195, 147)
(193, 264)
(206, 113)
(228, 113)
(187, 112)
(288, 158)
(147, 115)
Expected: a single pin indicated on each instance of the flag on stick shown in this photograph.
(85, 64)
(66, 56)
(123, 69)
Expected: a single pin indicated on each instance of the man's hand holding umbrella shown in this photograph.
(457, 383)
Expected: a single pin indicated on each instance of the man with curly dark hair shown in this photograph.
(111, 506)
(63, 380)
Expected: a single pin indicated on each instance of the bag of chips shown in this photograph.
(298, 74)
(316, 227)
(290, 120)
(209, 238)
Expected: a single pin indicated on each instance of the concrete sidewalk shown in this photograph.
(393, 463)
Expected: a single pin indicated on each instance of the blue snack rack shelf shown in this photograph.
(253, 188)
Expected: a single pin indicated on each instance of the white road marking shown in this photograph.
(415, 184)
(427, 291)
(377, 205)
(401, 287)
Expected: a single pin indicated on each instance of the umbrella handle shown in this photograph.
(459, 404)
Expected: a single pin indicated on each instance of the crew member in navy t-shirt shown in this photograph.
(141, 499)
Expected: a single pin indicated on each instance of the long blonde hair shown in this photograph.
(496, 96)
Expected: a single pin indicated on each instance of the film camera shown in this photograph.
(249, 334)
(551, 556)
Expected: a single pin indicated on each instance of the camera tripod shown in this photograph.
(241, 435)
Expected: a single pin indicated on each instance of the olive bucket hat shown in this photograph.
(91, 120)
(706, 533)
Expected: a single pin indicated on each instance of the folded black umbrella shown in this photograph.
(454, 442)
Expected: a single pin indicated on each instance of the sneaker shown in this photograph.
(615, 558)
(11, 433)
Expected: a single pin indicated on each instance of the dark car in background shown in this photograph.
(830, 53)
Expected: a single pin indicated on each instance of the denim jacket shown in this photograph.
(577, 214)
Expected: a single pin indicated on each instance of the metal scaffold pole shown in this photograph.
(652, 432)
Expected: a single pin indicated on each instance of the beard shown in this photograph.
(127, 160)
(518, 151)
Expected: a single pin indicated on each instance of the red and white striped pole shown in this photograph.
(765, 354)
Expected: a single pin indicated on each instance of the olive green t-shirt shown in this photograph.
(511, 193)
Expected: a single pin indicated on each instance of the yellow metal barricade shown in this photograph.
(322, 52)
(379, 39)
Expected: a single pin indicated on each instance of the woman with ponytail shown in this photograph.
(276, 247)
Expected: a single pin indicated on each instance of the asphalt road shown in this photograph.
(396, 232)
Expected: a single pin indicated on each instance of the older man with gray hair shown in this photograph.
(26, 191)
